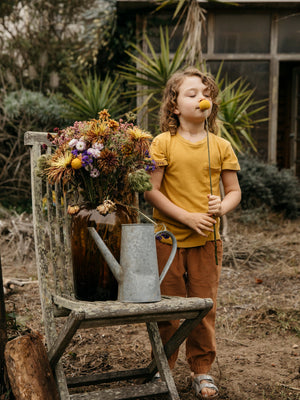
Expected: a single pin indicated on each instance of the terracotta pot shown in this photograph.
(93, 279)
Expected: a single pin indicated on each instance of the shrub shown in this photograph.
(21, 111)
(263, 183)
(41, 112)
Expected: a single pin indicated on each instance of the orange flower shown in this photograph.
(108, 162)
(104, 115)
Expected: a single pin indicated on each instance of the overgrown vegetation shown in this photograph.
(92, 95)
(265, 184)
(23, 110)
(44, 86)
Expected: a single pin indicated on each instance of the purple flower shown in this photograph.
(151, 167)
(86, 159)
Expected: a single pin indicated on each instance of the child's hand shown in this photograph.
(214, 205)
(200, 222)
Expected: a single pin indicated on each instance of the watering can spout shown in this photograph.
(113, 264)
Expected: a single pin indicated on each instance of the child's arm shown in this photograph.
(232, 195)
(198, 221)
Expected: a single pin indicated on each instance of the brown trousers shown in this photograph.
(193, 273)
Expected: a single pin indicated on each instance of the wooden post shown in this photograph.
(29, 370)
(3, 338)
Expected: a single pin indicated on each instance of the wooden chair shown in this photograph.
(58, 303)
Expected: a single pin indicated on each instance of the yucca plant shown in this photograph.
(149, 73)
(93, 95)
(237, 108)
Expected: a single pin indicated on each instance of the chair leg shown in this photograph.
(161, 359)
(61, 382)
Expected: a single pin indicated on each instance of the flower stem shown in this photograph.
(211, 191)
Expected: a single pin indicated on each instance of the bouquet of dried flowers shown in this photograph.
(100, 161)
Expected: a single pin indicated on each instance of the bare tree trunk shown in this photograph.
(4, 386)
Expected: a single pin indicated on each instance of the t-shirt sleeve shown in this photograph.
(158, 150)
(230, 160)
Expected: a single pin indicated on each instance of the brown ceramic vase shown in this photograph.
(93, 280)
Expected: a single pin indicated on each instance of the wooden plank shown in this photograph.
(132, 392)
(273, 93)
(61, 381)
(134, 320)
(178, 338)
(161, 359)
(105, 377)
(64, 337)
(98, 309)
(31, 138)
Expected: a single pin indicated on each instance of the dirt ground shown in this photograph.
(258, 317)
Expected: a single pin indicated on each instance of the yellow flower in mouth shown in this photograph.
(204, 105)
(139, 134)
(76, 163)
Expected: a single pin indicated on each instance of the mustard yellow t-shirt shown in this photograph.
(186, 180)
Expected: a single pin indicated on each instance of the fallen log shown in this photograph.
(29, 370)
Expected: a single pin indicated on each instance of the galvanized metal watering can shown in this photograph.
(137, 273)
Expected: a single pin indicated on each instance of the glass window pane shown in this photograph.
(155, 21)
(289, 34)
(256, 73)
(242, 33)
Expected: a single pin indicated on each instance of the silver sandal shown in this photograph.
(209, 384)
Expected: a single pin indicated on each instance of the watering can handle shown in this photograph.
(172, 255)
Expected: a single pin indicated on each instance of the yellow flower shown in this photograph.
(76, 163)
(204, 105)
(58, 165)
(97, 130)
(138, 134)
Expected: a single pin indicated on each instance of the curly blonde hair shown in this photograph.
(168, 119)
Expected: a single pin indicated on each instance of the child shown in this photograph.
(183, 202)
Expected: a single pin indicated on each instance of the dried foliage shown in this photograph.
(16, 232)
(44, 43)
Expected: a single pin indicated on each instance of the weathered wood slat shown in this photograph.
(106, 377)
(116, 309)
(32, 138)
(178, 338)
(161, 359)
(132, 392)
(64, 337)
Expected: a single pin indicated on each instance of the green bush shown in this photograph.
(265, 184)
(41, 112)
(22, 111)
